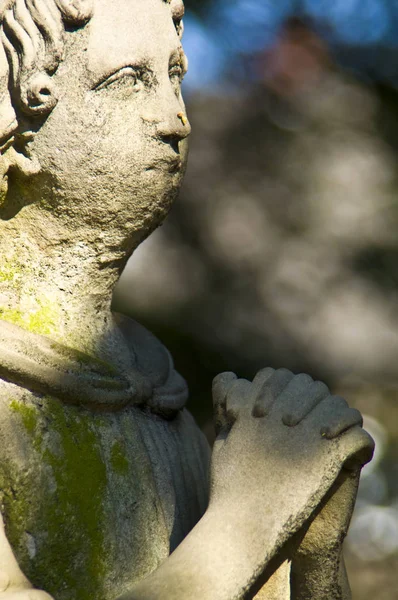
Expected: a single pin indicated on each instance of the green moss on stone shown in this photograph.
(72, 514)
(119, 462)
(12, 316)
(43, 320)
(15, 484)
(10, 272)
(28, 415)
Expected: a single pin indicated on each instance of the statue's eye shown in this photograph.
(128, 76)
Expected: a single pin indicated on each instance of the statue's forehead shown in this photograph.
(129, 31)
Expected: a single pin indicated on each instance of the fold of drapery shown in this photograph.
(42, 365)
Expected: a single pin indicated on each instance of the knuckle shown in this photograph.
(238, 388)
(303, 379)
(224, 378)
(258, 411)
(289, 419)
(356, 416)
(284, 373)
(339, 403)
(282, 379)
(222, 383)
(320, 389)
(237, 399)
(265, 372)
(262, 377)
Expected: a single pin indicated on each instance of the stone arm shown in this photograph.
(212, 563)
(318, 569)
(278, 492)
(206, 565)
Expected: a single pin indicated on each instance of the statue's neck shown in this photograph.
(56, 285)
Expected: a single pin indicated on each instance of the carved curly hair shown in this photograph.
(32, 33)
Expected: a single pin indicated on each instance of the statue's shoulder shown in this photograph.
(154, 362)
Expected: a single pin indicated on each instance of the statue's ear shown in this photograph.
(13, 144)
(12, 155)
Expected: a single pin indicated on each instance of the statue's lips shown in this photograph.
(170, 165)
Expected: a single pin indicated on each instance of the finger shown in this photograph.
(341, 422)
(327, 411)
(258, 382)
(238, 400)
(355, 447)
(221, 385)
(272, 388)
(300, 397)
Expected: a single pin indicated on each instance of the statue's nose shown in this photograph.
(170, 126)
(167, 118)
(175, 127)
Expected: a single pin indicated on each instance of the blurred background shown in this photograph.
(283, 247)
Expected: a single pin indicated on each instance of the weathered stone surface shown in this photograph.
(93, 502)
(103, 472)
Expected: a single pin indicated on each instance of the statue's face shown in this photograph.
(114, 148)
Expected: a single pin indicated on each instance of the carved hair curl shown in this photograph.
(32, 33)
(33, 36)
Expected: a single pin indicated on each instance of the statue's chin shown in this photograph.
(161, 189)
(148, 213)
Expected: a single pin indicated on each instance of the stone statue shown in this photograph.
(104, 476)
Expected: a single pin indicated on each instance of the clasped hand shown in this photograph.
(282, 443)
